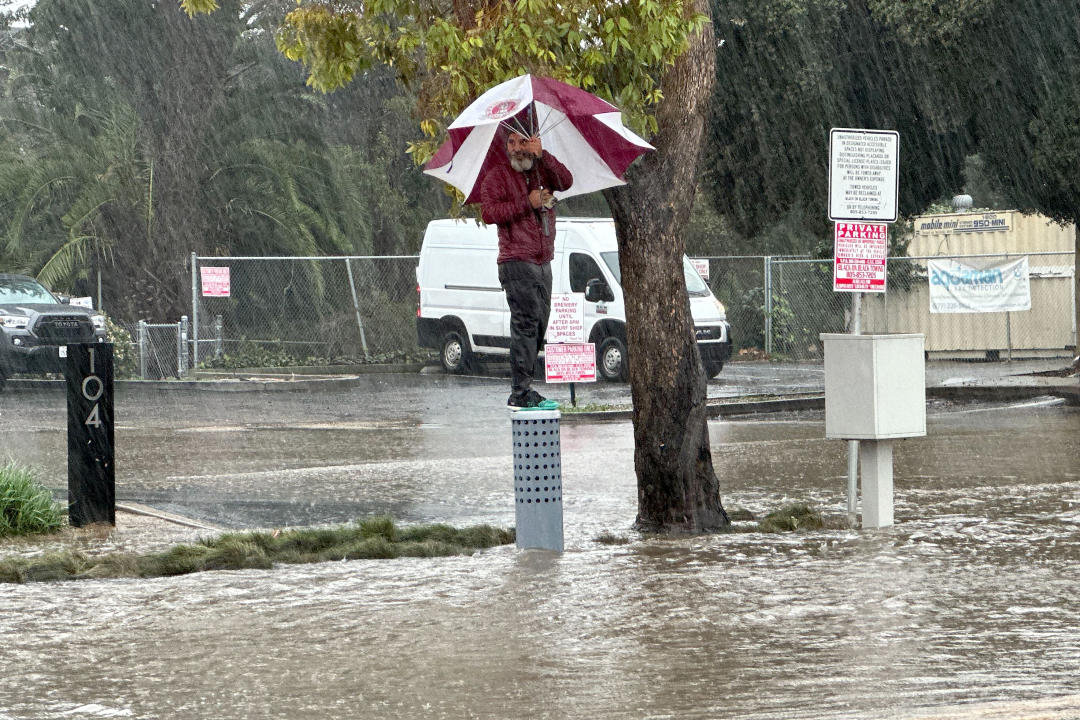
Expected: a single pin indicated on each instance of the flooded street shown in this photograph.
(971, 598)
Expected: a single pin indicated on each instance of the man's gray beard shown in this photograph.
(521, 165)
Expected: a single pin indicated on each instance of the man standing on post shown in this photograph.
(516, 196)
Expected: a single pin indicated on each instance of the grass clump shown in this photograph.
(26, 506)
(373, 538)
(797, 516)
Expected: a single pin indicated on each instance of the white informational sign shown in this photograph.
(215, 281)
(863, 174)
(702, 267)
(956, 287)
(83, 302)
(574, 362)
(860, 253)
(567, 320)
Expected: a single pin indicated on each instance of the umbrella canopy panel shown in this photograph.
(585, 132)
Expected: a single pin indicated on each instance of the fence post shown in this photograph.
(219, 344)
(181, 347)
(194, 311)
(356, 307)
(768, 305)
(142, 349)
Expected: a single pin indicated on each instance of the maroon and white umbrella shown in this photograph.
(584, 132)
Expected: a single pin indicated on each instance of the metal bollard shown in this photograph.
(538, 509)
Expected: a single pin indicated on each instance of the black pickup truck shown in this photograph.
(36, 327)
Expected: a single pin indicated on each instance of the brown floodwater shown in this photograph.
(969, 603)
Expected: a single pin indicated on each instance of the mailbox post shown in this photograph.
(91, 473)
(875, 392)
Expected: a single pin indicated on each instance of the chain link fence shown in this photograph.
(801, 304)
(1047, 330)
(738, 281)
(275, 311)
(343, 310)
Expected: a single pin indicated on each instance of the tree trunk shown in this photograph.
(677, 488)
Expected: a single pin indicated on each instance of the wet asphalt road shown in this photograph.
(282, 456)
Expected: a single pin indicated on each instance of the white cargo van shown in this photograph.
(463, 311)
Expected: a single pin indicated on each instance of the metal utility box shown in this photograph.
(875, 386)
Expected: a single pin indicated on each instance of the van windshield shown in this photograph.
(695, 286)
(611, 259)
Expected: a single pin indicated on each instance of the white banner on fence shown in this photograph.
(959, 288)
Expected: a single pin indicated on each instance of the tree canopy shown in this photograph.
(450, 52)
(133, 135)
(788, 72)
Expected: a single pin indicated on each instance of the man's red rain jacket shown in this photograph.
(504, 201)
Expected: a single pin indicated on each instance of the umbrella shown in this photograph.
(584, 132)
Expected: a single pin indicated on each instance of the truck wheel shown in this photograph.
(712, 368)
(455, 354)
(611, 360)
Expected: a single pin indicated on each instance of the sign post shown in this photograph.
(864, 176)
(91, 472)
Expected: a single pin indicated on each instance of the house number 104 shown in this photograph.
(92, 388)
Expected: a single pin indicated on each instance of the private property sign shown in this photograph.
(215, 281)
(863, 174)
(861, 250)
(566, 362)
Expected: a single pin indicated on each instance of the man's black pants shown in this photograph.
(528, 293)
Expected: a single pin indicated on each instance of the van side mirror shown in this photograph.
(596, 290)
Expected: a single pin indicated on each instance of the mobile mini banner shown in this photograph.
(956, 287)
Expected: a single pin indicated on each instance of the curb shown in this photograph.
(959, 393)
(1004, 393)
(147, 511)
(248, 381)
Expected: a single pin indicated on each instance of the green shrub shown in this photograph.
(123, 349)
(26, 506)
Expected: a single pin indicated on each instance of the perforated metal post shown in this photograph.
(538, 479)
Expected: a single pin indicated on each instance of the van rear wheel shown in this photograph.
(455, 355)
(611, 360)
(712, 368)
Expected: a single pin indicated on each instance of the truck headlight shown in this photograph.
(720, 308)
(14, 321)
(99, 321)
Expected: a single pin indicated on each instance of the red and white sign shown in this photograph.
(567, 320)
(702, 267)
(861, 250)
(215, 281)
(570, 362)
